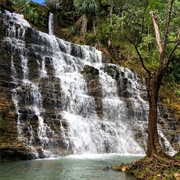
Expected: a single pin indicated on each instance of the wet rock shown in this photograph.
(177, 176)
(106, 168)
(115, 167)
(123, 167)
(91, 76)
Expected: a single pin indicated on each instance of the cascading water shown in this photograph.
(58, 108)
(50, 24)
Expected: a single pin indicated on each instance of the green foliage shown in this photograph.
(52, 3)
(19, 3)
(72, 29)
(35, 15)
(103, 30)
(88, 10)
(178, 92)
(88, 7)
(174, 70)
(177, 157)
(148, 50)
(160, 9)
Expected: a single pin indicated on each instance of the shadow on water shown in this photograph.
(84, 167)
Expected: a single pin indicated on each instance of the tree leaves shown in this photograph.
(88, 7)
(34, 14)
(19, 3)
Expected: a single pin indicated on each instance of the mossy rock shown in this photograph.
(115, 167)
(2, 29)
(28, 38)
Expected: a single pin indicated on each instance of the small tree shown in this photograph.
(156, 160)
(155, 80)
(153, 146)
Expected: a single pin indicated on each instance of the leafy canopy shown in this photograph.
(88, 7)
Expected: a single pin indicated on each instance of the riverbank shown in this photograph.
(156, 168)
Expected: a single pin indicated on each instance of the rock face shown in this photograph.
(57, 98)
(170, 125)
(91, 76)
(17, 120)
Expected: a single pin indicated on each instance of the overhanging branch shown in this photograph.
(143, 65)
(140, 57)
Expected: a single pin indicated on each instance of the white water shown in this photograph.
(122, 128)
(51, 24)
(17, 39)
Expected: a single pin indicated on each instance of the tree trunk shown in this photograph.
(153, 145)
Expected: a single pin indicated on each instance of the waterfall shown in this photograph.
(51, 24)
(67, 101)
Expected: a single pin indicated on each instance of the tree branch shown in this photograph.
(170, 57)
(175, 41)
(166, 31)
(140, 57)
(158, 37)
(143, 65)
